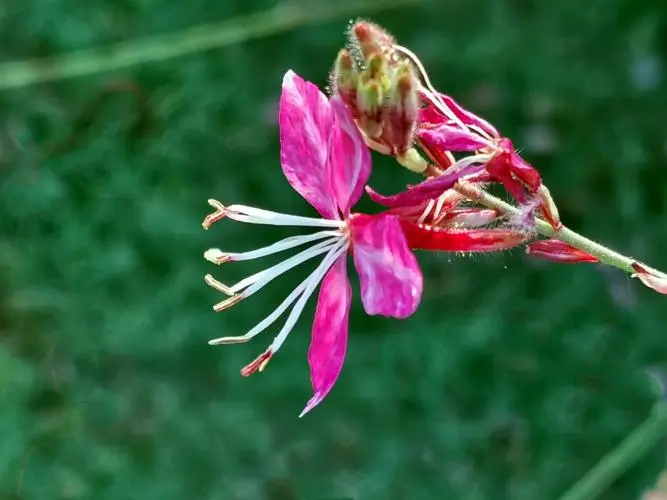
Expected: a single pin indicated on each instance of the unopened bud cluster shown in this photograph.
(380, 89)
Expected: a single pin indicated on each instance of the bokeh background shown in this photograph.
(511, 381)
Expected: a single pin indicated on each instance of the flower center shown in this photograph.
(331, 242)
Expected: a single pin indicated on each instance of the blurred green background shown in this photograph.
(511, 381)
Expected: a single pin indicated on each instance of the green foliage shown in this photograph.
(511, 381)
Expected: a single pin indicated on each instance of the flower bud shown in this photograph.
(370, 39)
(557, 251)
(650, 277)
(548, 207)
(345, 79)
(401, 109)
(381, 90)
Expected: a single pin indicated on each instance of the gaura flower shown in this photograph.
(325, 159)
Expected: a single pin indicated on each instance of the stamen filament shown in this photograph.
(252, 215)
(427, 210)
(218, 257)
(440, 104)
(271, 318)
(318, 275)
(258, 280)
(469, 160)
(481, 132)
(305, 289)
(441, 201)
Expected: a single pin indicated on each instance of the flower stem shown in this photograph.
(86, 62)
(564, 234)
(621, 458)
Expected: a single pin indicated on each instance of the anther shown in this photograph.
(216, 256)
(241, 339)
(258, 364)
(220, 287)
(220, 213)
(227, 303)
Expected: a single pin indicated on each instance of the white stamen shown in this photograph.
(313, 281)
(271, 318)
(254, 215)
(439, 204)
(427, 210)
(438, 101)
(253, 283)
(481, 132)
(470, 160)
(215, 255)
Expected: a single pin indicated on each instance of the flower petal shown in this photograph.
(451, 138)
(329, 337)
(499, 169)
(306, 120)
(349, 158)
(391, 281)
(429, 189)
(525, 171)
(511, 170)
(421, 237)
(430, 114)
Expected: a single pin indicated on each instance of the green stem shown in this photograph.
(604, 254)
(159, 48)
(620, 459)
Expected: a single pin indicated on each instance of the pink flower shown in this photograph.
(326, 161)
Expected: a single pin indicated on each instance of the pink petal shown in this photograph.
(523, 170)
(451, 138)
(511, 170)
(469, 118)
(460, 240)
(430, 114)
(499, 169)
(429, 189)
(349, 157)
(329, 338)
(306, 121)
(391, 281)
(557, 251)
